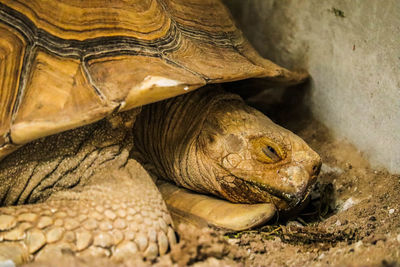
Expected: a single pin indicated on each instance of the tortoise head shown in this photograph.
(254, 159)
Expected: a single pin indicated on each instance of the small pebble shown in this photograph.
(348, 204)
(398, 238)
(328, 169)
(338, 223)
(358, 245)
(294, 223)
(233, 241)
(391, 211)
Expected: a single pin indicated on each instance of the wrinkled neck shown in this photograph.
(166, 135)
(196, 172)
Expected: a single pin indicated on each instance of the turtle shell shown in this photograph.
(67, 63)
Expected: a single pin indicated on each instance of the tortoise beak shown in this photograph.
(303, 191)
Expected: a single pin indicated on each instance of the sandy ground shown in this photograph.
(353, 218)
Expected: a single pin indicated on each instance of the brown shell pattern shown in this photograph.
(67, 63)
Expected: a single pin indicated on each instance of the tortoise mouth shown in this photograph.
(284, 200)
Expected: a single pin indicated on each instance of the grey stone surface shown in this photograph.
(352, 51)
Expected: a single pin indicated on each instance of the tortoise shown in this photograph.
(91, 191)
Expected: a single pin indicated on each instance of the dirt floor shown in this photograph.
(352, 219)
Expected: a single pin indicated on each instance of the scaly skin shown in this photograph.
(112, 208)
(82, 193)
(212, 142)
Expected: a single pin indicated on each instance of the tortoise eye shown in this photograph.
(267, 151)
(270, 152)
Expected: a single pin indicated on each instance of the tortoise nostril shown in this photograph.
(316, 168)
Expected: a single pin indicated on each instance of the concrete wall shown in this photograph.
(352, 51)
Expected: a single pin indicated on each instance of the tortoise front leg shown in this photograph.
(119, 215)
(80, 194)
